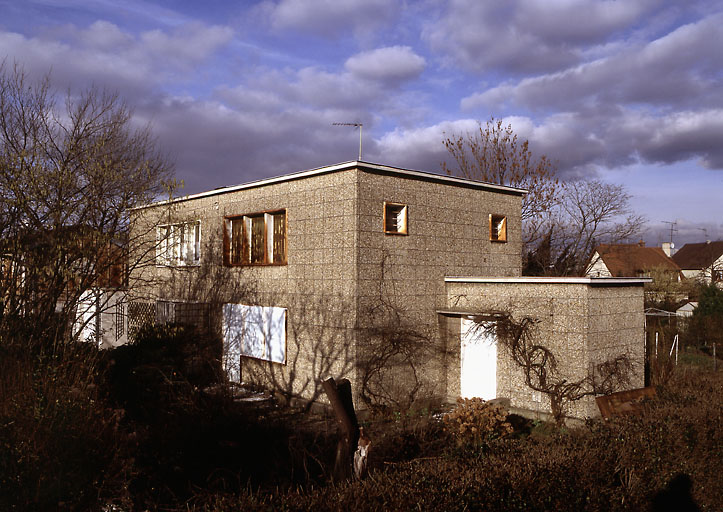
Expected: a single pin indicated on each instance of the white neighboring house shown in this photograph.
(102, 317)
(630, 260)
(686, 310)
(702, 261)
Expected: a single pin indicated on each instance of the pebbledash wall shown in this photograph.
(584, 321)
(341, 264)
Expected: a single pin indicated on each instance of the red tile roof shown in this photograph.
(698, 256)
(631, 260)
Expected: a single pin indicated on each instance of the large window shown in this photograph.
(179, 244)
(256, 239)
(498, 228)
(395, 219)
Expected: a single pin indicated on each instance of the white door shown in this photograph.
(478, 360)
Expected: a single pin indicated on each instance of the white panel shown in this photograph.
(232, 340)
(252, 331)
(478, 357)
(85, 325)
(275, 319)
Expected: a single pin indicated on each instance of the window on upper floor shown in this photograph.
(179, 244)
(395, 218)
(255, 239)
(498, 228)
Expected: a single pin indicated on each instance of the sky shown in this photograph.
(629, 92)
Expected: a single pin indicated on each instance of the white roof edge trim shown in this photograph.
(332, 168)
(551, 280)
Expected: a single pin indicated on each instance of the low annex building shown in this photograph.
(373, 273)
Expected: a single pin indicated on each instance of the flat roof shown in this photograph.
(594, 281)
(367, 166)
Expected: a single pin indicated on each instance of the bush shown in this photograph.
(669, 454)
(474, 422)
(162, 371)
(59, 441)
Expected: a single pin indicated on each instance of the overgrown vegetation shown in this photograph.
(139, 428)
(474, 422)
(69, 174)
(542, 372)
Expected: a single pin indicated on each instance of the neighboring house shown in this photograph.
(686, 310)
(702, 261)
(92, 284)
(631, 260)
(317, 274)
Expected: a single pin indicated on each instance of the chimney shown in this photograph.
(668, 248)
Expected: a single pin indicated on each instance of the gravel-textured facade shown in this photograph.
(365, 246)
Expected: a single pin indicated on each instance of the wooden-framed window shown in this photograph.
(395, 219)
(498, 228)
(179, 244)
(255, 239)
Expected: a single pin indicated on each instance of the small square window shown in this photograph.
(395, 219)
(498, 228)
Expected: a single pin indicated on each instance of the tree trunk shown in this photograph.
(340, 397)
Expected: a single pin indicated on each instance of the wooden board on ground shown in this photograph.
(623, 402)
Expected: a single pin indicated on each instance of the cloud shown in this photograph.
(525, 36)
(420, 148)
(331, 18)
(391, 64)
(216, 145)
(685, 135)
(678, 69)
(104, 54)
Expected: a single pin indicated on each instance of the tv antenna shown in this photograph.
(673, 229)
(359, 125)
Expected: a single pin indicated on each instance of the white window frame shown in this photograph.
(179, 244)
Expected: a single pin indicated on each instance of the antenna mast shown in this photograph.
(358, 125)
(672, 228)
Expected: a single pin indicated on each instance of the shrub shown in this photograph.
(59, 441)
(475, 421)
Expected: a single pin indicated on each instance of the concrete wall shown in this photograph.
(582, 323)
(448, 234)
(317, 284)
(343, 274)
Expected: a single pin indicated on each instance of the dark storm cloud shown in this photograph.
(330, 18)
(525, 36)
(678, 69)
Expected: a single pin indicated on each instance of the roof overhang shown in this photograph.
(592, 281)
(366, 166)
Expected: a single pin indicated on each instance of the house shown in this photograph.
(687, 309)
(62, 272)
(631, 260)
(702, 261)
(377, 274)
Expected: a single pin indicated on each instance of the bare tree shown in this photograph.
(494, 154)
(591, 212)
(68, 176)
(561, 222)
